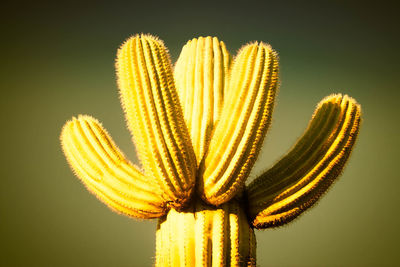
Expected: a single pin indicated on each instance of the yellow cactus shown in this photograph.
(198, 129)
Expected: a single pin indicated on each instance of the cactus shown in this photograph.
(198, 129)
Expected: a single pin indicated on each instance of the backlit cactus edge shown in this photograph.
(198, 128)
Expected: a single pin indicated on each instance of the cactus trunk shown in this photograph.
(204, 235)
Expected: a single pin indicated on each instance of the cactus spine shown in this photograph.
(198, 129)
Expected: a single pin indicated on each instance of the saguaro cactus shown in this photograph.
(198, 129)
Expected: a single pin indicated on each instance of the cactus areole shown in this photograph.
(198, 128)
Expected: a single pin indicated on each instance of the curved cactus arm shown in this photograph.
(154, 116)
(105, 171)
(301, 177)
(201, 75)
(246, 115)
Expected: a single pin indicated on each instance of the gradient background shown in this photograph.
(58, 61)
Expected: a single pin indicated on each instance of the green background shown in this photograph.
(58, 61)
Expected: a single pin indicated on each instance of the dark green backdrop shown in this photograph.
(57, 61)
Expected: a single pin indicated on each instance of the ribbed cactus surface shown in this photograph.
(205, 235)
(198, 128)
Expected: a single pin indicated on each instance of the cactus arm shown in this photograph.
(243, 123)
(105, 171)
(201, 75)
(301, 177)
(154, 116)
